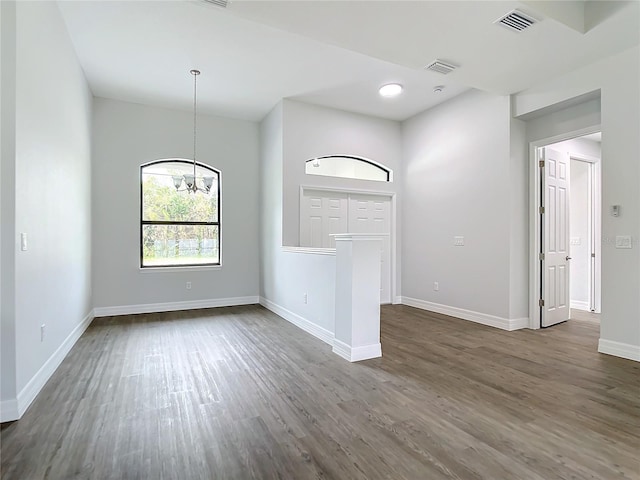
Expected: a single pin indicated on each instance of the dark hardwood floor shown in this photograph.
(238, 393)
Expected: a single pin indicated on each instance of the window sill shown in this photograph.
(178, 268)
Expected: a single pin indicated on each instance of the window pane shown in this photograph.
(346, 167)
(161, 201)
(180, 245)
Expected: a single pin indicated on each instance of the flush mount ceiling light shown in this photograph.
(191, 180)
(390, 90)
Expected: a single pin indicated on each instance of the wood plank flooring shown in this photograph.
(584, 315)
(238, 393)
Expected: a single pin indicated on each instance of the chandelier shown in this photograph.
(193, 183)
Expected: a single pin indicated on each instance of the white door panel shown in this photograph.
(555, 237)
(370, 214)
(315, 226)
(322, 214)
(325, 213)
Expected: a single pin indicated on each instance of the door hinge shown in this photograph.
(593, 255)
(541, 303)
(541, 163)
(541, 256)
(541, 210)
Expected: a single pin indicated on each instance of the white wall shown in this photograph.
(458, 172)
(52, 279)
(617, 78)
(291, 134)
(126, 135)
(286, 275)
(568, 119)
(311, 131)
(579, 221)
(270, 199)
(7, 210)
(518, 222)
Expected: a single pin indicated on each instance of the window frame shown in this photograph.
(217, 223)
(379, 166)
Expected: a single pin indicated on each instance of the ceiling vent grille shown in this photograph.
(441, 67)
(218, 3)
(516, 21)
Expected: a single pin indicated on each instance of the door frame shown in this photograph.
(535, 229)
(395, 298)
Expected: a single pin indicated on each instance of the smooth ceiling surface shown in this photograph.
(334, 53)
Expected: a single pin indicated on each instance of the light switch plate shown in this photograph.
(576, 241)
(615, 210)
(623, 241)
(23, 242)
(458, 241)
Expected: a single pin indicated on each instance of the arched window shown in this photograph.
(180, 214)
(348, 166)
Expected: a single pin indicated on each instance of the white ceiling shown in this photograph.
(333, 53)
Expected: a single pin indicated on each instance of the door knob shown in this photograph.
(567, 258)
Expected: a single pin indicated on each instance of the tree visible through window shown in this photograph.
(178, 227)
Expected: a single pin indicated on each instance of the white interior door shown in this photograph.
(555, 237)
(322, 214)
(371, 214)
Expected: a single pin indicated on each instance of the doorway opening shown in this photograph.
(566, 221)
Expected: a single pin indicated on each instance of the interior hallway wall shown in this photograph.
(462, 176)
(127, 135)
(291, 134)
(50, 284)
(8, 394)
(286, 274)
(617, 78)
(311, 131)
(580, 238)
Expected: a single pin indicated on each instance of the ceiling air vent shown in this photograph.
(516, 21)
(218, 3)
(441, 67)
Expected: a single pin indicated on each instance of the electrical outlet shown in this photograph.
(436, 286)
(42, 332)
(306, 298)
(23, 242)
(458, 241)
(188, 285)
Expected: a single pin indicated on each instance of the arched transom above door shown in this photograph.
(348, 166)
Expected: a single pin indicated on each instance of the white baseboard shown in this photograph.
(352, 354)
(578, 305)
(355, 354)
(619, 349)
(483, 318)
(397, 300)
(174, 306)
(518, 323)
(9, 410)
(13, 410)
(300, 322)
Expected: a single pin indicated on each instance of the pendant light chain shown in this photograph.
(191, 181)
(195, 74)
